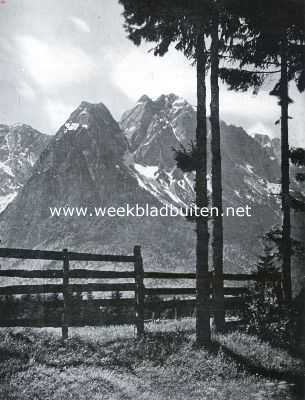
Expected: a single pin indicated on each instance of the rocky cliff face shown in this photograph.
(86, 165)
(250, 170)
(170, 124)
(94, 162)
(154, 129)
(20, 147)
(271, 145)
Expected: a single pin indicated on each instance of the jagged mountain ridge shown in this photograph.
(20, 147)
(271, 145)
(92, 162)
(250, 172)
(85, 165)
(155, 128)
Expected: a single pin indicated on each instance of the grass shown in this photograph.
(109, 363)
(104, 334)
(261, 353)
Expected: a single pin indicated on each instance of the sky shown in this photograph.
(56, 53)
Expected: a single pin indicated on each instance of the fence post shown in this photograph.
(139, 291)
(65, 283)
(218, 300)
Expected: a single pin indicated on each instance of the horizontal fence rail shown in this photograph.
(275, 276)
(73, 274)
(226, 277)
(145, 298)
(27, 254)
(34, 323)
(94, 274)
(67, 288)
(169, 275)
(72, 288)
(231, 291)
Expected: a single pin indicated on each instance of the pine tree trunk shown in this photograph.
(286, 247)
(217, 232)
(203, 335)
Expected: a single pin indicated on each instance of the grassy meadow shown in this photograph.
(109, 363)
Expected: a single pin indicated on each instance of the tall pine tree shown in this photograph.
(184, 25)
(224, 26)
(272, 35)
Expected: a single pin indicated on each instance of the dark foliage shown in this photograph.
(49, 309)
(266, 313)
(187, 160)
(300, 177)
(272, 320)
(277, 92)
(242, 80)
(166, 22)
(297, 204)
(297, 156)
(300, 80)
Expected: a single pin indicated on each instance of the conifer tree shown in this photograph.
(272, 39)
(184, 25)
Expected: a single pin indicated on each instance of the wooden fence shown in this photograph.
(232, 294)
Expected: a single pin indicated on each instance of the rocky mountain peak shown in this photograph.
(86, 114)
(92, 161)
(157, 126)
(166, 99)
(85, 165)
(144, 99)
(20, 147)
(271, 145)
(3, 129)
(250, 173)
(263, 139)
(90, 129)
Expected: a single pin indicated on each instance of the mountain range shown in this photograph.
(250, 169)
(95, 161)
(20, 148)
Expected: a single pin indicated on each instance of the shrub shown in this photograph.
(272, 320)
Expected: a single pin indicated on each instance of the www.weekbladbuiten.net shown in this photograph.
(146, 210)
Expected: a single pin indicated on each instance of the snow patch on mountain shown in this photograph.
(6, 200)
(274, 188)
(162, 184)
(250, 167)
(20, 147)
(7, 169)
(149, 171)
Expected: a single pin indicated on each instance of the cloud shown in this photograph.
(246, 106)
(26, 91)
(259, 127)
(80, 24)
(141, 72)
(54, 66)
(57, 112)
